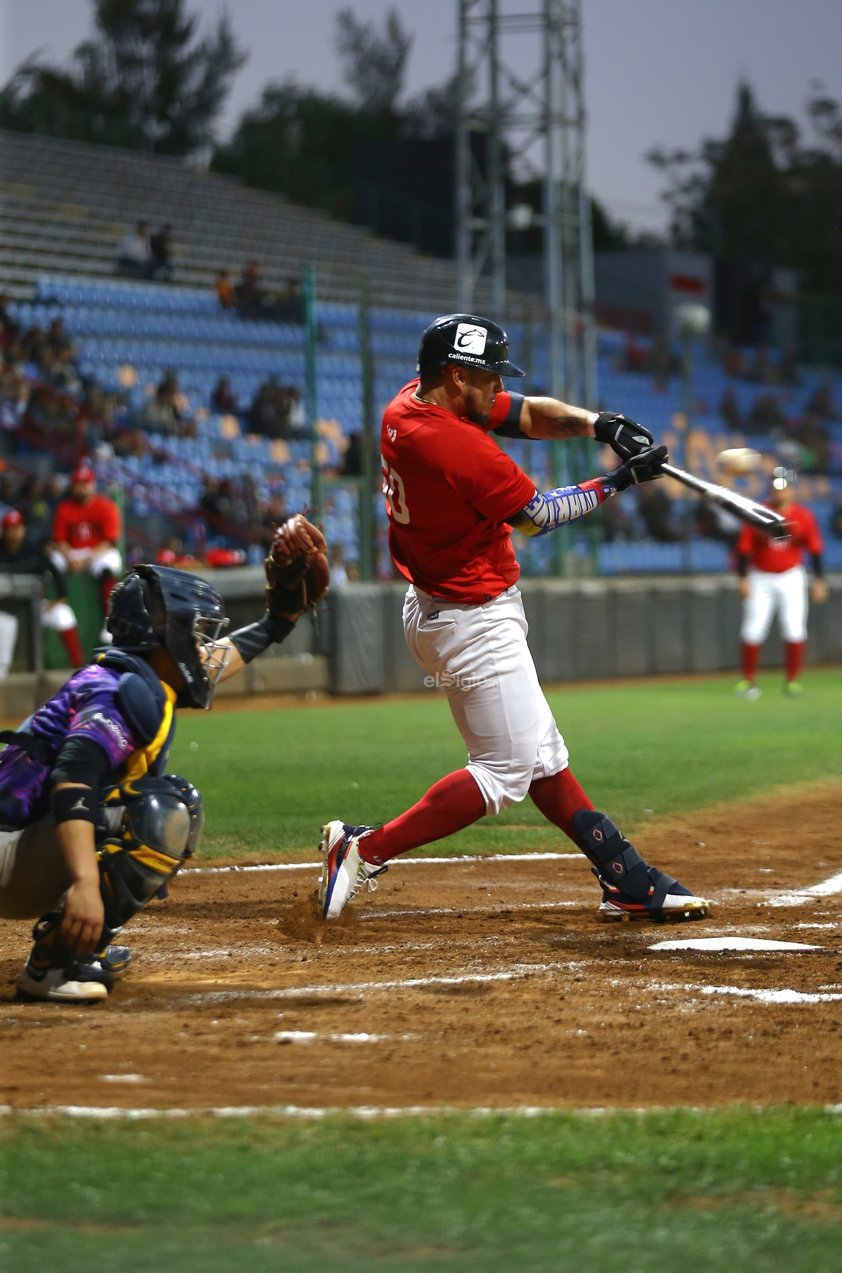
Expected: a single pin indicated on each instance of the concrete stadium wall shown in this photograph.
(579, 630)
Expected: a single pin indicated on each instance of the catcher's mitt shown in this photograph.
(297, 573)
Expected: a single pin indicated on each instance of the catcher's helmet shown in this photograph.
(161, 606)
(469, 340)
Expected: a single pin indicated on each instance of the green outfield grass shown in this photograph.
(736, 1190)
(640, 750)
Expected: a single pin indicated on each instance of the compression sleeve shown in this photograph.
(81, 760)
(818, 566)
(548, 511)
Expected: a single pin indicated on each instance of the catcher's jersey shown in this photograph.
(131, 721)
(778, 555)
(449, 491)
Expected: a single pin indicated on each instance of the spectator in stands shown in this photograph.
(821, 402)
(662, 361)
(352, 459)
(713, 522)
(633, 357)
(37, 501)
(87, 529)
(729, 411)
(167, 411)
(9, 325)
(270, 513)
(134, 254)
(289, 306)
(21, 554)
(252, 299)
(836, 517)
(224, 289)
(14, 396)
(766, 416)
(269, 413)
(223, 399)
(655, 508)
(160, 254)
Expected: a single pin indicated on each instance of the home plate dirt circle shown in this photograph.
(475, 984)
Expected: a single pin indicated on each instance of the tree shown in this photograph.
(144, 81)
(762, 196)
(373, 65)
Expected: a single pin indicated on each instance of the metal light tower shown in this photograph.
(521, 91)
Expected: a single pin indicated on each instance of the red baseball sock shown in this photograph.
(70, 641)
(559, 797)
(751, 657)
(452, 803)
(794, 653)
(107, 584)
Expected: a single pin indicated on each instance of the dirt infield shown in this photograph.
(472, 984)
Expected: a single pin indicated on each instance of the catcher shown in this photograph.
(91, 826)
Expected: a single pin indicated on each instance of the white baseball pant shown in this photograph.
(479, 656)
(8, 640)
(100, 559)
(784, 593)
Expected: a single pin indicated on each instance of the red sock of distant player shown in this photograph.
(559, 797)
(794, 652)
(107, 584)
(452, 803)
(751, 657)
(70, 641)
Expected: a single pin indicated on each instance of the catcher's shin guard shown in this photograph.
(151, 828)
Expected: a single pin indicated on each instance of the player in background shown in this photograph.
(772, 579)
(21, 555)
(453, 497)
(92, 825)
(87, 528)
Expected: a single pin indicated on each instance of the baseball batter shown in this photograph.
(773, 580)
(454, 497)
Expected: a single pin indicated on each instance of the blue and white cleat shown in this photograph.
(344, 872)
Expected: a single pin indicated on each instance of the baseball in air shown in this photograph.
(739, 459)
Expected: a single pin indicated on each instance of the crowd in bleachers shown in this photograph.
(198, 416)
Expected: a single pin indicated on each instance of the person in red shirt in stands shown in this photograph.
(773, 578)
(87, 528)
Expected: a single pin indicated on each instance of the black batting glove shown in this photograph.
(645, 467)
(625, 437)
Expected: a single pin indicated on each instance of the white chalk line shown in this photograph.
(313, 1036)
(782, 996)
(515, 973)
(315, 1113)
(449, 861)
(800, 897)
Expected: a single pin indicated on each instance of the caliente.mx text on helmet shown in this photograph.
(468, 340)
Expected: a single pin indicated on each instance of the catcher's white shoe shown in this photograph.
(344, 872)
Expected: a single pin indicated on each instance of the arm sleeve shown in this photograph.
(509, 426)
(548, 511)
(82, 761)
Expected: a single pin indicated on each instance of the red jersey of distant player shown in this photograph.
(777, 555)
(87, 525)
(449, 491)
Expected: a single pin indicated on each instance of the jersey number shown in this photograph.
(393, 489)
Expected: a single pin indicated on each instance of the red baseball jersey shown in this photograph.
(87, 525)
(450, 490)
(778, 555)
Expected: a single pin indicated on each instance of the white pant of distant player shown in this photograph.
(57, 615)
(479, 656)
(784, 593)
(101, 559)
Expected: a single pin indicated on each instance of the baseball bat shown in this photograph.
(747, 510)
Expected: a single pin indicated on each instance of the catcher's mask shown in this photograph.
(160, 606)
(466, 339)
